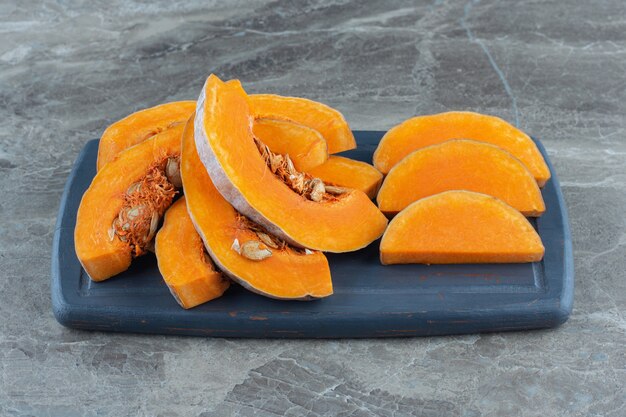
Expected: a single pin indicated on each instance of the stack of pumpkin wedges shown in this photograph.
(264, 196)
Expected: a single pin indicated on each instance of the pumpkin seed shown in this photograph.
(264, 151)
(331, 189)
(172, 172)
(276, 162)
(317, 189)
(267, 240)
(134, 187)
(297, 182)
(111, 231)
(134, 212)
(154, 223)
(290, 167)
(235, 246)
(252, 250)
(308, 251)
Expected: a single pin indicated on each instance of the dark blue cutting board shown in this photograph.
(370, 300)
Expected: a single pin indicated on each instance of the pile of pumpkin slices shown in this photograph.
(246, 188)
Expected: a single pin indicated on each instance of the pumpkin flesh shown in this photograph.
(460, 227)
(230, 155)
(286, 274)
(421, 131)
(460, 165)
(183, 262)
(305, 146)
(348, 173)
(119, 213)
(140, 126)
(326, 120)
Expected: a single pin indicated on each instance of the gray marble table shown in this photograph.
(556, 68)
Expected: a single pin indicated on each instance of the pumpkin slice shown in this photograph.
(460, 227)
(326, 120)
(243, 250)
(305, 146)
(186, 268)
(346, 172)
(460, 165)
(140, 126)
(119, 213)
(301, 212)
(423, 131)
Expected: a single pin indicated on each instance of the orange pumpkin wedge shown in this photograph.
(419, 132)
(284, 274)
(227, 148)
(140, 126)
(305, 146)
(460, 165)
(326, 120)
(346, 172)
(460, 227)
(120, 211)
(184, 264)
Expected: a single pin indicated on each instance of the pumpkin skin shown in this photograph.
(101, 253)
(348, 173)
(286, 274)
(422, 131)
(186, 268)
(461, 165)
(305, 146)
(141, 125)
(460, 227)
(226, 147)
(326, 120)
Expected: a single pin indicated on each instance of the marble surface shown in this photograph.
(557, 69)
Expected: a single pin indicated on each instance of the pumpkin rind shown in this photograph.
(186, 269)
(227, 149)
(460, 165)
(460, 227)
(101, 254)
(305, 146)
(422, 131)
(326, 120)
(141, 125)
(349, 173)
(286, 274)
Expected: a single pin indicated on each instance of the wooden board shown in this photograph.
(370, 300)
